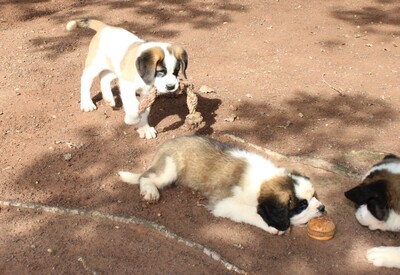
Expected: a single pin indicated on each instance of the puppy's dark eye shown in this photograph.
(161, 73)
(302, 204)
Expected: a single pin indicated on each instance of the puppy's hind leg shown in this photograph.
(162, 173)
(105, 83)
(88, 75)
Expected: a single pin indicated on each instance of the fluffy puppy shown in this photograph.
(378, 206)
(115, 53)
(241, 186)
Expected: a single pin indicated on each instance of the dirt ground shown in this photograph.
(305, 78)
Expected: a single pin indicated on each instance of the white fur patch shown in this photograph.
(365, 218)
(259, 169)
(304, 188)
(129, 177)
(391, 167)
(234, 209)
(168, 176)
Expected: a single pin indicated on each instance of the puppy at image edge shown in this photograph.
(378, 206)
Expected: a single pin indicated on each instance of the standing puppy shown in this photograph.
(138, 65)
(239, 185)
(378, 206)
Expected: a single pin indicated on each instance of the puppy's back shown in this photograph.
(204, 164)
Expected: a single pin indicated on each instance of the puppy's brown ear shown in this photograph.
(182, 57)
(147, 62)
(275, 212)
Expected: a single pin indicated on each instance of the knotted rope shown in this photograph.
(194, 118)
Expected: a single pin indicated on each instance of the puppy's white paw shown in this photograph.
(386, 256)
(149, 192)
(274, 231)
(147, 132)
(132, 119)
(88, 106)
(110, 101)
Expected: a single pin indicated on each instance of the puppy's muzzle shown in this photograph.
(171, 87)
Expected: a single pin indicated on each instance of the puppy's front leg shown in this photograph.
(130, 102)
(232, 209)
(144, 129)
(387, 256)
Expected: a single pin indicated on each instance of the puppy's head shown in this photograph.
(160, 65)
(286, 200)
(378, 192)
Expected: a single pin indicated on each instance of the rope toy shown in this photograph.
(194, 118)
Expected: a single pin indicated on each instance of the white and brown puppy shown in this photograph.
(378, 201)
(115, 53)
(242, 186)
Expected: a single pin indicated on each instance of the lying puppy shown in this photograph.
(239, 185)
(138, 65)
(378, 201)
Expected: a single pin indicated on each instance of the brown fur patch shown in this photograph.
(281, 189)
(96, 25)
(204, 165)
(93, 48)
(392, 185)
(128, 63)
(180, 55)
(147, 62)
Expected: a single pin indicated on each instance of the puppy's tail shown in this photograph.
(85, 23)
(129, 177)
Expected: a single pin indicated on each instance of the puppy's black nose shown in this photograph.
(321, 208)
(170, 86)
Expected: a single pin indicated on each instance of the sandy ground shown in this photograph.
(306, 79)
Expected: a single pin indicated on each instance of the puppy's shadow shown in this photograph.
(116, 94)
(166, 106)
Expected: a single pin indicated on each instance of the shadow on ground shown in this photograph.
(310, 121)
(372, 18)
(150, 19)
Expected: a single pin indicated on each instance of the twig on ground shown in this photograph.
(126, 219)
(313, 162)
(330, 86)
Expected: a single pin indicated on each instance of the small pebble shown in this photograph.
(51, 251)
(230, 118)
(67, 157)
